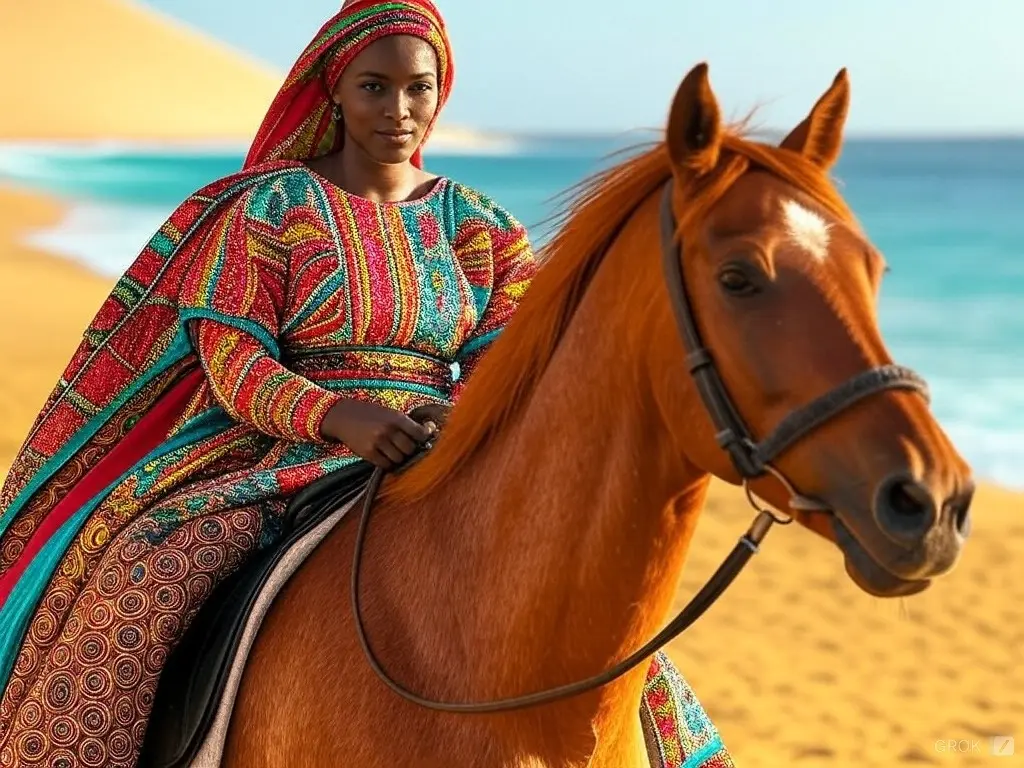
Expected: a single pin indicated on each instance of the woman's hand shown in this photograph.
(382, 436)
(431, 413)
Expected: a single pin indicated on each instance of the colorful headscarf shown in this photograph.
(299, 124)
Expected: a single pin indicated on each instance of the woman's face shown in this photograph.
(388, 96)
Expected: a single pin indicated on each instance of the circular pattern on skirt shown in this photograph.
(139, 731)
(133, 550)
(86, 601)
(95, 719)
(63, 758)
(144, 696)
(23, 526)
(170, 597)
(98, 683)
(244, 521)
(170, 566)
(92, 753)
(73, 625)
(16, 688)
(60, 692)
(112, 580)
(209, 558)
(156, 657)
(61, 656)
(101, 616)
(167, 626)
(138, 573)
(59, 600)
(124, 710)
(64, 731)
(12, 551)
(43, 629)
(89, 676)
(130, 637)
(91, 649)
(127, 671)
(28, 659)
(30, 745)
(31, 715)
(119, 744)
(199, 586)
(210, 530)
(132, 604)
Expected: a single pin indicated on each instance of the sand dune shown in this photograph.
(116, 70)
(87, 69)
(794, 664)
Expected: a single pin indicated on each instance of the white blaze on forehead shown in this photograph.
(806, 228)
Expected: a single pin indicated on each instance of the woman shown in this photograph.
(285, 322)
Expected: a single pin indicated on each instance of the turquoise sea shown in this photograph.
(948, 215)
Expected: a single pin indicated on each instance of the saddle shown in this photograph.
(196, 672)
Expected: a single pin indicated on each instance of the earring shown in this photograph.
(336, 113)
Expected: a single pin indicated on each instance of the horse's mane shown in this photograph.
(595, 209)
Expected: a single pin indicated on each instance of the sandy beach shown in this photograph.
(794, 664)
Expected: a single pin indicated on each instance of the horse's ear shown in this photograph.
(819, 137)
(694, 133)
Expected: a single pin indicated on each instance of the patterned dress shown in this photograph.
(190, 414)
(295, 294)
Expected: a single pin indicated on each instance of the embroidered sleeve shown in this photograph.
(255, 388)
(514, 266)
(232, 300)
(239, 273)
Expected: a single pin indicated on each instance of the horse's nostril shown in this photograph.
(959, 508)
(909, 499)
(904, 508)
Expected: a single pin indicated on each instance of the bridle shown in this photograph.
(751, 459)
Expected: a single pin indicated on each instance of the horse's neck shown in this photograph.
(557, 551)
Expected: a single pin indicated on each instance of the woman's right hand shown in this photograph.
(383, 436)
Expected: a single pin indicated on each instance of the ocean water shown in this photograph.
(948, 215)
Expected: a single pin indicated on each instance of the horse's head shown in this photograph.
(782, 284)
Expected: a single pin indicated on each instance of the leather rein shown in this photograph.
(751, 459)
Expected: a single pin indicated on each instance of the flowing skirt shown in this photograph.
(153, 547)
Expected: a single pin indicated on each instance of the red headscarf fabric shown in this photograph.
(299, 124)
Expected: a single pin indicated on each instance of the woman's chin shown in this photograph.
(387, 152)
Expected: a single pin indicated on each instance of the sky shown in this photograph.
(917, 67)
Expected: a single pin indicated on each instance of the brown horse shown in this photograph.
(543, 537)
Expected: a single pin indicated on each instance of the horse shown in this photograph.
(543, 535)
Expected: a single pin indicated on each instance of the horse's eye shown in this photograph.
(736, 282)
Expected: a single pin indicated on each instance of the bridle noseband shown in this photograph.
(751, 459)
